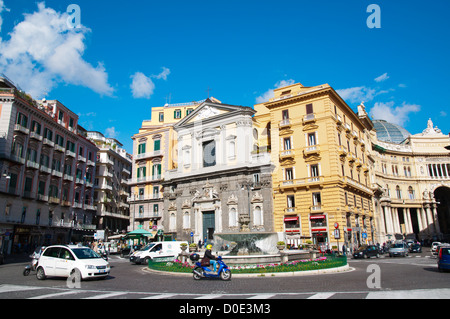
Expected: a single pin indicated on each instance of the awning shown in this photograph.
(291, 218)
(139, 233)
(318, 216)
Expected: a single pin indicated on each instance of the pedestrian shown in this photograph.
(344, 250)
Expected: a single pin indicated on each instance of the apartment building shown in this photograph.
(47, 172)
(111, 190)
(154, 152)
(323, 169)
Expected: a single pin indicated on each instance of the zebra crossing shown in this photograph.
(30, 292)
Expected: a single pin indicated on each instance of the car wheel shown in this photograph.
(40, 274)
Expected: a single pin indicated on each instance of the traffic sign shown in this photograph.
(192, 234)
(336, 225)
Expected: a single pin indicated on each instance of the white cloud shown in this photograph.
(394, 114)
(163, 75)
(357, 94)
(443, 114)
(141, 86)
(111, 132)
(382, 78)
(269, 93)
(42, 52)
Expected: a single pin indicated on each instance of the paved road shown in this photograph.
(411, 277)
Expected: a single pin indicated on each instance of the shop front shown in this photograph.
(319, 231)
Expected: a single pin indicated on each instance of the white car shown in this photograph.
(65, 261)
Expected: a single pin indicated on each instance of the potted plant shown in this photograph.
(183, 246)
(192, 247)
(281, 245)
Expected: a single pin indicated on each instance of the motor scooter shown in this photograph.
(34, 261)
(200, 271)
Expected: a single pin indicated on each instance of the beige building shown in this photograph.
(323, 173)
(412, 183)
(113, 169)
(154, 153)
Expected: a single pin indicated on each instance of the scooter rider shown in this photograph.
(210, 256)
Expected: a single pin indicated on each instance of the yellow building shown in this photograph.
(323, 173)
(154, 153)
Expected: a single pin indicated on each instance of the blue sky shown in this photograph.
(239, 49)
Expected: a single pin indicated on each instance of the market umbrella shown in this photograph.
(139, 233)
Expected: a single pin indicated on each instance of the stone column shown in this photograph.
(430, 222)
(436, 221)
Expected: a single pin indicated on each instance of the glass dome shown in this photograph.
(389, 132)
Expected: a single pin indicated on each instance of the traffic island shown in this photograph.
(322, 264)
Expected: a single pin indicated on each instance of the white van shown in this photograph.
(159, 249)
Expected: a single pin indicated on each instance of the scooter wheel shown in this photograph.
(197, 276)
(225, 274)
(26, 272)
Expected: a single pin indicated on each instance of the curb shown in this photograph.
(341, 269)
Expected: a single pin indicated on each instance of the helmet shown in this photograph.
(209, 246)
(194, 257)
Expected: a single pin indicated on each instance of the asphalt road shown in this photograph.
(415, 276)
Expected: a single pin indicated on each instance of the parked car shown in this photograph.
(443, 259)
(161, 249)
(367, 252)
(415, 248)
(434, 246)
(64, 261)
(398, 249)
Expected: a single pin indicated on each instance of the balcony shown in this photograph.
(290, 210)
(53, 200)
(57, 173)
(81, 159)
(17, 159)
(309, 118)
(347, 127)
(89, 184)
(148, 155)
(70, 153)
(36, 136)
(316, 208)
(42, 197)
(287, 154)
(79, 181)
(284, 123)
(90, 163)
(48, 142)
(33, 165)
(21, 129)
(45, 169)
(77, 205)
(59, 148)
(68, 177)
(125, 171)
(311, 150)
(342, 150)
(302, 182)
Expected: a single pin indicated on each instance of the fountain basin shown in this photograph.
(247, 243)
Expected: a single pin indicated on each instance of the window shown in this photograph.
(22, 120)
(411, 194)
(155, 209)
(177, 114)
(287, 143)
(398, 192)
(316, 199)
(189, 111)
(157, 145)
(233, 218)
(38, 216)
(257, 216)
(141, 172)
(288, 174)
(71, 122)
(209, 153)
(36, 127)
(172, 222)
(141, 148)
(285, 114)
(290, 201)
(156, 171)
(309, 109)
(141, 211)
(312, 139)
(59, 140)
(61, 116)
(161, 116)
(156, 192)
(186, 220)
(314, 170)
(24, 215)
(27, 187)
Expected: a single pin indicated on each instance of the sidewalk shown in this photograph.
(17, 258)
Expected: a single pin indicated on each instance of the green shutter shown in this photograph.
(157, 145)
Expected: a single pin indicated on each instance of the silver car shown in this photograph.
(398, 249)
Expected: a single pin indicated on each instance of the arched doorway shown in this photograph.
(442, 197)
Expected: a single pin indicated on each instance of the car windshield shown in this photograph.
(362, 248)
(85, 253)
(416, 245)
(397, 246)
(147, 247)
(445, 250)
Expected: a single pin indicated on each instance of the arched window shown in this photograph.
(172, 222)
(186, 220)
(411, 193)
(398, 192)
(233, 218)
(257, 216)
